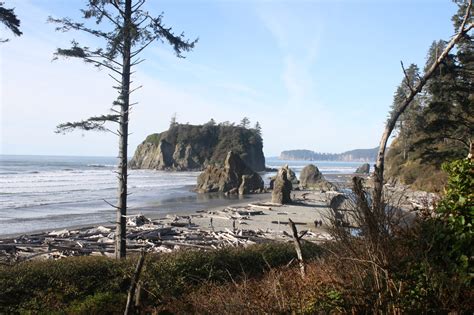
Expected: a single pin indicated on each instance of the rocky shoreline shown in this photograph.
(240, 224)
(237, 225)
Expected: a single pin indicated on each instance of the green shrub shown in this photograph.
(438, 274)
(96, 285)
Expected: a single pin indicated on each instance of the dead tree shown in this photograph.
(297, 241)
(126, 31)
(465, 27)
(134, 283)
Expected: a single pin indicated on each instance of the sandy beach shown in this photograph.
(240, 224)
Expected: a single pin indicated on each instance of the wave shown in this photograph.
(101, 165)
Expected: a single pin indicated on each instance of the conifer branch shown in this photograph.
(93, 123)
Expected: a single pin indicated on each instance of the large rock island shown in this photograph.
(193, 147)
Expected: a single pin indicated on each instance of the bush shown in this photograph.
(439, 273)
(94, 284)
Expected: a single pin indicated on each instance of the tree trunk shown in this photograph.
(299, 252)
(121, 232)
(134, 284)
(378, 203)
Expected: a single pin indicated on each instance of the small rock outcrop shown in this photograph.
(311, 178)
(363, 169)
(282, 187)
(290, 175)
(234, 177)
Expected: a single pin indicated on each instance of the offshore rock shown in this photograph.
(363, 169)
(311, 178)
(234, 177)
(193, 147)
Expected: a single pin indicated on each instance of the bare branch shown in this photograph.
(113, 206)
(115, 79)
(408, 83)
(137, 88)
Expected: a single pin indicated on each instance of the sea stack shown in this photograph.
(311, 178)
(282, 187)
(234, 177)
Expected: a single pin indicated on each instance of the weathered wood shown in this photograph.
(136, 276)
(286, 223)
(297, 242)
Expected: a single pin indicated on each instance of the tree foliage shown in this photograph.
(439, 125)
(10, 20)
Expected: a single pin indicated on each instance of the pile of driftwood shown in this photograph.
(160, 235)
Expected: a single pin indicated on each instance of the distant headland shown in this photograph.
(357, 155)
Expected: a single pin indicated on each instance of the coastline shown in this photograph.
(241, 224)
(238, 222)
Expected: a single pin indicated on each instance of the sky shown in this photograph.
(317, 75)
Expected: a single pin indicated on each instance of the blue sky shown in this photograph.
(317, 75)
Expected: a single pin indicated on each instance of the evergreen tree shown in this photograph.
(173, 121)
(245, 122)
(258, 129)
(10, 20)
(448, 115)
(125, 31)
(408, 121)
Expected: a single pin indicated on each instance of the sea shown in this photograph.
(55, 192)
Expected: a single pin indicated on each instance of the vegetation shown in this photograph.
(439, 123)
(388, 267)
(95, 285)
(213, 141)
(126, 31)
(10, 20)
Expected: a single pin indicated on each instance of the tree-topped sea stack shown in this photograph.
(234, 177)
(193, 147)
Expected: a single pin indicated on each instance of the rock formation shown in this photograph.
(234, 177)
(282, 187)
(193, 147)
(290, 174)
(311, 178)
(363, 169)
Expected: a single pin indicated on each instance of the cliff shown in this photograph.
(358, 155)
(193, 147)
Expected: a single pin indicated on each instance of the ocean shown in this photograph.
(54, 192)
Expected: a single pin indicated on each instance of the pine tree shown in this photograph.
(173, 121)
(10, 20)
(407, 123)
(245, 122)
(125, 31)
(258, 129)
